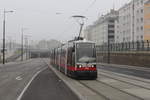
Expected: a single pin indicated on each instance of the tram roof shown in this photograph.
(83, 41)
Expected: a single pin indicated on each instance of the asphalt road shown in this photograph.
(15, 76)
(134, 72)
(47, 86)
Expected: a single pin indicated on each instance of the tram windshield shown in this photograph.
(85, 53)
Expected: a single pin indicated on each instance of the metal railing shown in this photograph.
(126, 46)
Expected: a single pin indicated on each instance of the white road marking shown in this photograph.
(128, 72)
(26, 87)
(19, 78)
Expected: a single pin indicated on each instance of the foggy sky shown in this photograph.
(42, 22)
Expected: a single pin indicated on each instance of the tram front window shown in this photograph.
(86, 53)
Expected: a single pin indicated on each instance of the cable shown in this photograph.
(86, 10)
(65, 30)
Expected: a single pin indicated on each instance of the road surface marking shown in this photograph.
(19, 78)
(26, 87)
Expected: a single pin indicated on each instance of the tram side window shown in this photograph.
(69, 58)
(63, 53)
(73, 58)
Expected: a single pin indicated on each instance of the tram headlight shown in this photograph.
(79, 66)
(93, 66)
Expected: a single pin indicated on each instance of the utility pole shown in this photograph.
(4, 28)
(108, 58)
(22, 44)
(27, 45)
(4, 25)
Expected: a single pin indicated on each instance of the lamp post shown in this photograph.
(4, 27)
(22, 44)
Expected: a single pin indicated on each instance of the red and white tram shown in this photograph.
(76, 59)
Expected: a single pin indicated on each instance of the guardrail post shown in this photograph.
(126, 46)
(133, 45)
(142, 45)
(148, 45)
(117, 46)
(122, 45)
(129, 46)
(137, 45)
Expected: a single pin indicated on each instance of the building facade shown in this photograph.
(103, 30)
(124, 23)
(139, 19)
(147, 20)
(130, 23)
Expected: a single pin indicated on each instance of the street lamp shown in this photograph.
(4, 26)
(80, 20)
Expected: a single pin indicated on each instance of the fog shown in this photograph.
(51, 19)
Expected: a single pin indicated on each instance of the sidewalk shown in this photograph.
(7, 55)
(124, 66)
(19, 59)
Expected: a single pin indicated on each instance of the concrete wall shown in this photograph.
(134, 59)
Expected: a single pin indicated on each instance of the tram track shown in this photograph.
(109, 92)
(125, 84)
(98, 93)
(126, 77)
(121, 90)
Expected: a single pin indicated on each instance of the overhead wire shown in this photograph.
(91, 5)
(85, 11)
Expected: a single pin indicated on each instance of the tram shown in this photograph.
(76, 59)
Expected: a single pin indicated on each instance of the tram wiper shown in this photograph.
(87, 59)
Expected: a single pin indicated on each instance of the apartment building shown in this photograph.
(139, 19)
(103, 30)
(124, 24)
(129, 23)
(132, 22)
(87, 33)
(147, 20)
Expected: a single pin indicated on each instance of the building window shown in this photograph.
(110, 31)
(112, 21)
(141, 28)
(137, 11)
(141, 37)
(137, 37)
(137, 3)
(110, 26)
(141, 1)
(141, 10)
(141, 19)
(137, 28)
(123, 39)
(137, 20)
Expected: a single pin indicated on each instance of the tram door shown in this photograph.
(59, 60)
(66, 50)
